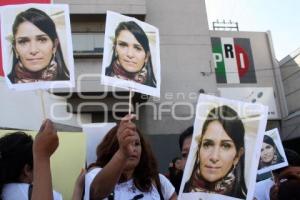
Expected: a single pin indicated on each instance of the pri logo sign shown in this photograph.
(233, 60)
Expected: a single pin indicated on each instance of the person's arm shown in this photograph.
(44, 145)
(79, 186)
(174, 196)
(105, 181)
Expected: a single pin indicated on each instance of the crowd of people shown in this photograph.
(126, 164)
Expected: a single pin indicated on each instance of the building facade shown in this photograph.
(185, 53)
(290, 68)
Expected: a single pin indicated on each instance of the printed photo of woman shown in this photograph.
(219, 166)
(272, 154)
(222, 162)
(36, 52)
(269, 153)
(131, 58)
(131, 55)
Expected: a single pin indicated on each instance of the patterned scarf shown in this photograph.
(223, 186)
(119, 72)
(23, 75)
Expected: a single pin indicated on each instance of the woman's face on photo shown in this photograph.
(33, 47)
(131, 54)
(267, 153)
(217, 153)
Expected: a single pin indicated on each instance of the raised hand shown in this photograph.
(44, 145)
(46, 141)
(127, 135)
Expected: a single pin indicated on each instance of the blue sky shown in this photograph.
(280, 17)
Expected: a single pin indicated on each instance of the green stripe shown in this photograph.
(220, 70)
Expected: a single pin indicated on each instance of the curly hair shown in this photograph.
(145, 172)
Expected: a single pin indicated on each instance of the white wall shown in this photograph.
(23, 109)
(100, 6)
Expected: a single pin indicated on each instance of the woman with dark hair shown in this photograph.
(131, 58)
(25, 165)
(219, 165)
(126, 168)
(269, 153)
(37, 54)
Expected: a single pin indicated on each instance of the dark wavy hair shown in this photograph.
(43, 22)
(15, 153)
(142, 38)
(145, 172)
(234, 128)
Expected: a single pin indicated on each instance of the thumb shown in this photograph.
(43, 126)
(47, 126)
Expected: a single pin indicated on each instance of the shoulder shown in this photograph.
(108, 70)
(279, 158)
(150, 82)
(15, 191)
(93, 170)
(10, 76)
(89, 177)
(262, 188)
(265, 183)
(20, 191)
(163, 178)
(187, 186)
(166, 187)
